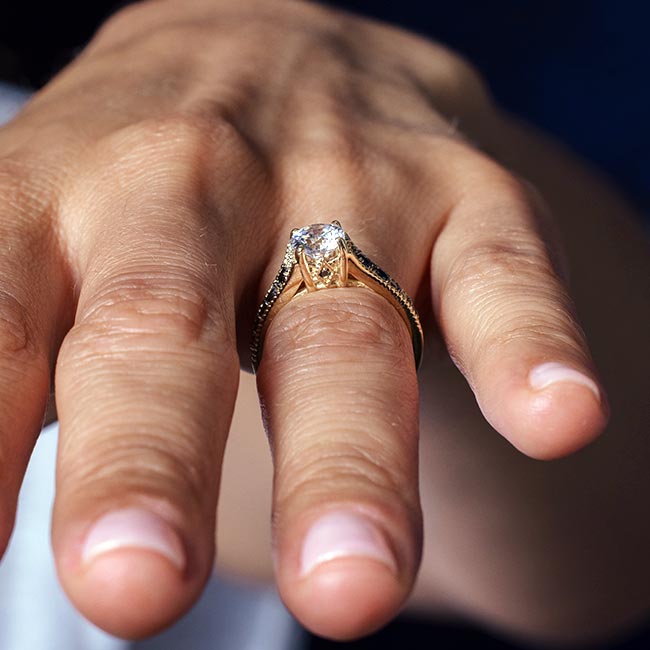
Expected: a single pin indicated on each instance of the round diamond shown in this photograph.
(318, 241)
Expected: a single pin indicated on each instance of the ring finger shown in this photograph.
(338, 383)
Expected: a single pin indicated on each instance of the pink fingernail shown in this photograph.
(133, 528)
(343, 534)
(550, 373)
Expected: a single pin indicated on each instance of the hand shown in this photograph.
(156, 181)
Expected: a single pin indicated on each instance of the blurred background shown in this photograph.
(578, 69)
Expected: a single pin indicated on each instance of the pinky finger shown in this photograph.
(510, 325)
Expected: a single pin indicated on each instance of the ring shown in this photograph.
(322, 256)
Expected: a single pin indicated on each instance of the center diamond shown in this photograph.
(319, 250)
(319, 241)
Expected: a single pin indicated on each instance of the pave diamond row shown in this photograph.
(276, 288)
(380, 276)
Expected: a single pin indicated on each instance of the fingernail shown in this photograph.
(343, 534)
(133, 528)
(550, 373)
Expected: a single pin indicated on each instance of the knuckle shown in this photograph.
(508, 194)
(176, 130)
(501, 267)
(509, 255)
(103, 466)
(151, 138)
(359, 473)
(468, 77)
(507, 249)
(130, 306)
(511, 282)
(326, 149)
(354, 324)
(188, 137)
(536, 322)
(330, 141)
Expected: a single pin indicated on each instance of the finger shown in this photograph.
(509, 322)
(33, 288)
(146, 381)
(338, 383)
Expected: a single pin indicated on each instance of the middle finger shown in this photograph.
(338, 382)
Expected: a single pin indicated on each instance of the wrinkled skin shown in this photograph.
(146, 198)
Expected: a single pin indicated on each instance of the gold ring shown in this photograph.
(322, 256)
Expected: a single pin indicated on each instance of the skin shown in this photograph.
(156, 180)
